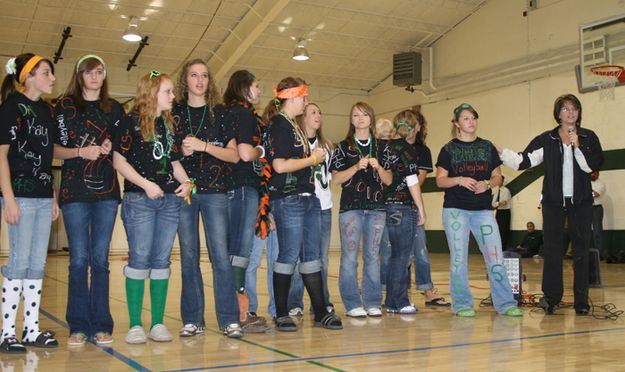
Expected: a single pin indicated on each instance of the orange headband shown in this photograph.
(300, 91)
(28, 67)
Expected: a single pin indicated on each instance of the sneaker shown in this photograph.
(233, 330)
(547, 307)
(190, 330)
(410, 309)
(254, 323)
(76, 339)
(357, 312)
(160, 333)
(102, 338)
(374, 312)
(536, 256)
(514, 311)
(466, 313)
(296, 311)
(136, 335)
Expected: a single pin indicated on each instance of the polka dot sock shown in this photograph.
(32, 299)
(11, 290)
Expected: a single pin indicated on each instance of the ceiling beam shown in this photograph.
(260, 15)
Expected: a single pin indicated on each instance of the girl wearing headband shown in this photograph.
(404, 212)
(89, 196)
(26, 146)
(311, 124)
(242, 93)
(355, 166)
(296, 209)
(147, 153)
(209, 149)
(467, 167)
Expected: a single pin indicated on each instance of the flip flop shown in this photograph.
(438, 302)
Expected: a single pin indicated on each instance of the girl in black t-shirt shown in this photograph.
(296, 209)
(26, 139)
(242, 93)
(467, 167)
(209, 149)
(147, 154)
(89, 196)
(355, 166)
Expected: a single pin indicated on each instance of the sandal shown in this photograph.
(103, 338)
(10, 345)
(285, 324)
(438, 301)
(45, 340)
(76, 339)
(330, 321)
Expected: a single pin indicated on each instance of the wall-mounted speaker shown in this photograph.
(407, 69)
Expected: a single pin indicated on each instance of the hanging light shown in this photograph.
(132, 31)
(300, 53)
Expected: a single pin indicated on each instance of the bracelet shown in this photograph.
(262, 151)
(314, 159)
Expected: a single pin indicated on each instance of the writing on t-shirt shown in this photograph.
(469, 160)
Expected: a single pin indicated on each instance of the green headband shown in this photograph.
(403, 123)
(87, 56)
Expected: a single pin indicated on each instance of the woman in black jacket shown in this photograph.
(569, 154)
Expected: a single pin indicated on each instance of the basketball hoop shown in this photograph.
(608, 76)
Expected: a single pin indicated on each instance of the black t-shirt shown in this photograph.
(211, 174)
(85, 180)
(475, 159)
(365, 189)
(424, 156)
(148, 158)
(403, 161)
(282, 142)
(28, 128)
(247, 129)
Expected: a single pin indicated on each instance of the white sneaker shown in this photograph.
(296, 311)
(374, 312)
(358, 312)
(233, 330)
(160, 333)
(410, 309)
(136, 335)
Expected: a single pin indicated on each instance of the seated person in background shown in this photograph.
(531, 244)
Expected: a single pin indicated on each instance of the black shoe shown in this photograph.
(285, 324)
(581, 312)
(549, 308)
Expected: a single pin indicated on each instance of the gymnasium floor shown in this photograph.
(432, 340)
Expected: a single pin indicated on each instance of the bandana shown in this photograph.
(28, 67)
(301, 91)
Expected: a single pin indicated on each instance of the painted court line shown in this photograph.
(396, 351)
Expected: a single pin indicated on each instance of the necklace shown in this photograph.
(160, 152)
(303, 139)
(365, 144)
(199, 127)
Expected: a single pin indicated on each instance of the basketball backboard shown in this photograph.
(601, 43)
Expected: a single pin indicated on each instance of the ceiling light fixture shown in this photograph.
(300, 53)
(132, 31)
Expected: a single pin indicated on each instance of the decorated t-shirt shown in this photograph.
(28, 128)
(247, 129)
(282, 142)
(322, 177)
(215, 127)
(476, 159)
(84, 180)
(151, 159)
(403, 161)
(424, 157)
(365, 189)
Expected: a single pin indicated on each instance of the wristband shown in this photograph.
(262, 151)
(190, 181)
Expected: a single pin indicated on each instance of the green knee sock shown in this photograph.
(239, 279)
(158, 296)
(134, 297)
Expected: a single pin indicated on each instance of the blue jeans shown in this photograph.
(401, 223)
(298, 219)
(368, 224)
(150, 229)
(28, 240)
(214, 210)
(242, 212)
(89, 228)
(423, 275)
(296, 293)
(251, 271)
(385, 256)
(458, 224)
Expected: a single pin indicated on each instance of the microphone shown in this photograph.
(570, 130)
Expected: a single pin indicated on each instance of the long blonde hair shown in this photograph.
(323, 141)
(211, 96)
(146, 103)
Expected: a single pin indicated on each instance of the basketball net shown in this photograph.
(607, 77)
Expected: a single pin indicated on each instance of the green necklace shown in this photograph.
(160, 152)
(199, 127)
(358, 144)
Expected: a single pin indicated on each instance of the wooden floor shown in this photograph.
(431, 340)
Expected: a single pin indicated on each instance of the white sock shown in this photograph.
(11, 290)
(32, 299)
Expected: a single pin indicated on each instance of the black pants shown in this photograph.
(503, 221)
(579, 220)
(597, 228)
